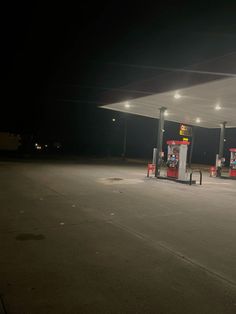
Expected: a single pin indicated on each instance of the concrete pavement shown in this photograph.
(97, 238)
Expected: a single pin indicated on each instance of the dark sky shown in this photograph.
(56, 58)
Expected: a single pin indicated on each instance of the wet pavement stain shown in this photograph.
(114, 179)
(29, 236)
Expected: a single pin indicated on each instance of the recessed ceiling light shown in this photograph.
(113, 119)
(177, 95)
(198, 120)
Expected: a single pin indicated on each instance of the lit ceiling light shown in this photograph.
(127, 105)
(198, 120)
(217, 107)
(113, 119)
(166, 113)
(177, 95)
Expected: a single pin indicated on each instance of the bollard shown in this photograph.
(213, 171)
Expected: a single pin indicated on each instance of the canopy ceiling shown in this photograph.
(205, 105)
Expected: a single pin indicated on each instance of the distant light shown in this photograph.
(127, 105)
(36, 144)
(46, 145)
(198, 120)
(218, 107)
(38, 147)
(177, 96)
(166, 113)
(113, 119)
(224, 139)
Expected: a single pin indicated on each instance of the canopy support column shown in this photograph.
(160, 140)
(221, 148)
(222, 139)
(191, 148)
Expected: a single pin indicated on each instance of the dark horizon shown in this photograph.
(58, 69)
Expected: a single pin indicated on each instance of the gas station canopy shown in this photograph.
(204, 105)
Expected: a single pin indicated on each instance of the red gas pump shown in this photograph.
(232, 166)
(177, 159)
(173, 162)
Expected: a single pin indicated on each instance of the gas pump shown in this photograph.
(177, 159)
(232, 165)
(220, 162)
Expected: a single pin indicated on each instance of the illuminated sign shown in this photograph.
(185, 130)
(185, 139)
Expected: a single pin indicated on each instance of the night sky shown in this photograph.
(62, 61)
